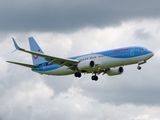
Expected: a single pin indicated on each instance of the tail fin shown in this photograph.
(35, 47)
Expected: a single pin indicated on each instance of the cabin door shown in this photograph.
(132, 52)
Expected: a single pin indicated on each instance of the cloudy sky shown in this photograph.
(66, 28)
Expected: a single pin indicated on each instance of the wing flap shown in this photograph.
(23, 64)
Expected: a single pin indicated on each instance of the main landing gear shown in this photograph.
(94, 77)
(77, 74)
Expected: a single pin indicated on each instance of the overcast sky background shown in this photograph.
(67, 28)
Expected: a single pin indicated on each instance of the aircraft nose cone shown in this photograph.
(151, 54)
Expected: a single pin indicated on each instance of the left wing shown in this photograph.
(23, 64)
(72, 64)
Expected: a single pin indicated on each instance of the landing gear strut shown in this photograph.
(77, 74)
(140, 63)
(94, 77)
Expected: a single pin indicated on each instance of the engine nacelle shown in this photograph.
(115, 71)
(85, 65)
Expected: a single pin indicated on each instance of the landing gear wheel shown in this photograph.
(139, 67)
(77, 74)
(94, 77)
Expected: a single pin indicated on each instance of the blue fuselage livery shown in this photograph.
(106, 62)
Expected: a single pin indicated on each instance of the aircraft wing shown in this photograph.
(52, 59)
(22, 64)
(60, 61)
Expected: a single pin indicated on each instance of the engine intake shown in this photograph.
(85, 65)
(115, 71)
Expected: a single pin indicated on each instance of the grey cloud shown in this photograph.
(58, 84)
(71, 15)
(141, 34)
(133, 86)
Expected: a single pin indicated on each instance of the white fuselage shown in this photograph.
(103, 62)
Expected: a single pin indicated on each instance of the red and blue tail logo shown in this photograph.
(37, 55)
(35, 47)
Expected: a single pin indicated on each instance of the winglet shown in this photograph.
(16, 45)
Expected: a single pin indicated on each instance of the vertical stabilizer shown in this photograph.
(35, 47)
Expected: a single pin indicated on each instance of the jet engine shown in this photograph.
(85, 65)
(115, 71)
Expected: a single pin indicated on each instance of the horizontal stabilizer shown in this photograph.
(23, 64)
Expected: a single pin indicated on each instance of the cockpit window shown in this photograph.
(142, 49)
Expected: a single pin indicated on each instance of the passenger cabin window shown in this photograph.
(142, 49)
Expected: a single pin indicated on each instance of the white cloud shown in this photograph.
(133, 95)
(3, 67)
(35, 103)
(54, 44)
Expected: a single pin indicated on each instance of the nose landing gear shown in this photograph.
(139, 67)
(140, 63)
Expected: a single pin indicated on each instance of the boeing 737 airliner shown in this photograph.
(106, 62)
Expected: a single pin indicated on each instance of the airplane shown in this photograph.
(109, 62)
